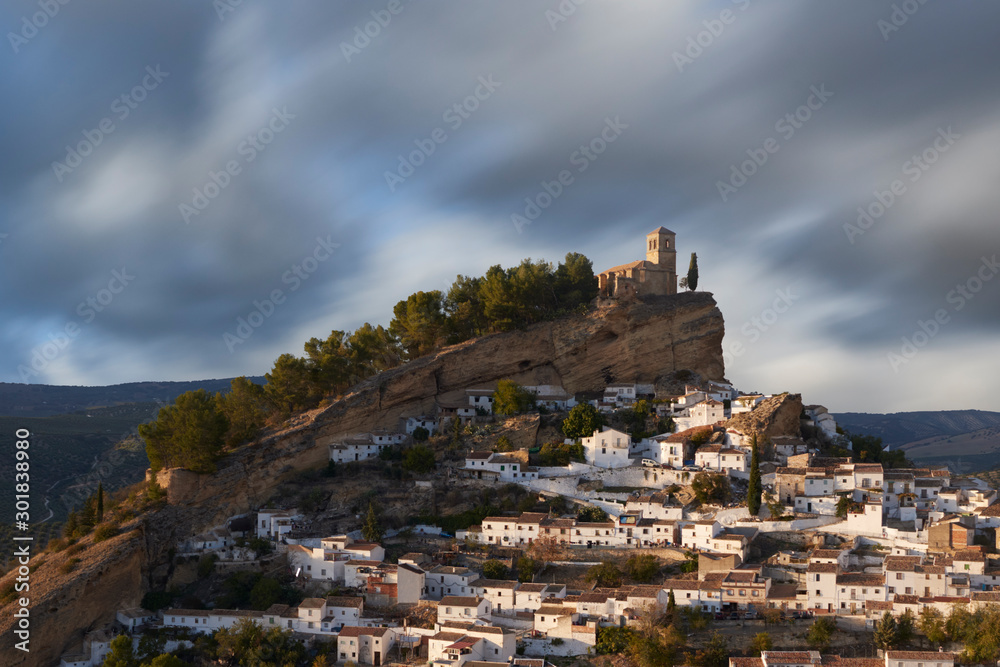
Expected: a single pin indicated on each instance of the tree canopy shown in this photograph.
(193, 431)
(187, 434)
(510, 398)
(582, 421)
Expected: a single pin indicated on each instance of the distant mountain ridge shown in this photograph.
(964, 440)
(43, 400)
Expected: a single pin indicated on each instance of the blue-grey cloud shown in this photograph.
(197, 192)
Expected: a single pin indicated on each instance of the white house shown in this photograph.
(620, 394)
(422, 421)
(343, 611)
(745, 403)
(919, 659)
(666, 449)
(721, 458)
(608, 448)
(552, 396)
(719, 391)
(445, 580)
(465, 608)
(364, 645)
(459, 644)
(358, 447)
(480, 399)
(701, 414)
(501, 593)
(687, 593)
(274, 523)
(698, 534)
(493, 465)
(134, 617)
(691, 397)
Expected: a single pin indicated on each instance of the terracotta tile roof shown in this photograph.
(991, 510)
(790, 657)
(782, 592)
(593, 597)
(343, 601)
(822, 568)
(985, 596)
(861, 579)
(494, 583)
(460, 601)
(969, 556)
(531, 588)
(939, 656)
(312, 603)
(746, 662)
(553, 610)
(837, 661)
(355, 631)
(901, 563)
(879, 605)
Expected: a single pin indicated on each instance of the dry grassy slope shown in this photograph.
(636, 342)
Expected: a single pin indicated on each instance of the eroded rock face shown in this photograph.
(636, 342)
(776, 416)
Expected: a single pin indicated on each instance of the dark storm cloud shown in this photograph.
(884, 95)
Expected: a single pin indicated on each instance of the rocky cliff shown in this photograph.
(778, 416)
(636, 342)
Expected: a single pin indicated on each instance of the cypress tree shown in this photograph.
(100, 502)
(372, 529)
(692, 277)
(755, 489)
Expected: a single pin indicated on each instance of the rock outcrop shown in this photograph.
(641, 341)
(778, 416)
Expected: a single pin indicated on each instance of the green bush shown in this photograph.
(105, 531)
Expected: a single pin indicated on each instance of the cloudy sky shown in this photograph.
(169, 164)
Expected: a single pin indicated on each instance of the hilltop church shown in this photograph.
(657, 274)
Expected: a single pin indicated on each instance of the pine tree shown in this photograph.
(755, 489)
(886, 634)
(372, 529)
(671, 602)
(692, 276)
(88, 513)
(100, 502)
(71, 524)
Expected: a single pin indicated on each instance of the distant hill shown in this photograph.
(83, 435)
(43, 400)
(964, 440)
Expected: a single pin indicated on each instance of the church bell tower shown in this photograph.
(660, 249)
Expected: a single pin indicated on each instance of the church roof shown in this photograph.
(639, 263)
(662, 229)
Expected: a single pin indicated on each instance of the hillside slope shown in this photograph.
(43, 400)
(965, 440)
(640, 341)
